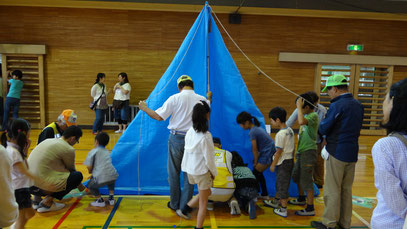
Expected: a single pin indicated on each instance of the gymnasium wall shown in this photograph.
(82, 42)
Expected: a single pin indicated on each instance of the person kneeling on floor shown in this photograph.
(246, 185)
(223, 185)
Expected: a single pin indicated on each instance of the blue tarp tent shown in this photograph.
(140, 155)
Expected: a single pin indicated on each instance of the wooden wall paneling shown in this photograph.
(82, 42)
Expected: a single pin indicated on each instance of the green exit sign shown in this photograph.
(354, 47)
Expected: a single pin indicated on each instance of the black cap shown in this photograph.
(216, 140)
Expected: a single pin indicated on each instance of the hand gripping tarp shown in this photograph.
(140, 155)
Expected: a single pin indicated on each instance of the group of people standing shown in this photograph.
(325, 137)
(121, 100)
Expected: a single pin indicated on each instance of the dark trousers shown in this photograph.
(10, 103)
(74, 180)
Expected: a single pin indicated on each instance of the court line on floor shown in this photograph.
(109, 219)
(213, 220)
(361, 219)
(61, 220)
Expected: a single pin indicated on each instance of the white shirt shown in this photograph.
(96, 92)
(19, 180)
(199, 155)
(179, 107)
(285, 141)
(119, 95)
(9, 207)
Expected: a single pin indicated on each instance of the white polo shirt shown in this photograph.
(179, 107)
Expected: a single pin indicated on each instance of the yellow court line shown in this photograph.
(213, 220)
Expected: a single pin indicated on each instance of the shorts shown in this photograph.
(304, 168)
(23, 198)
(283, 174)
(221, 194)
(265, 158)
(204, 181)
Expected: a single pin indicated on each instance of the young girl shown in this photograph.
(199, 162)
(262, 147)
(13, 97)
(121, 101)
(17, 147)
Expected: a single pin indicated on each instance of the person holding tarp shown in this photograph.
(179, 107)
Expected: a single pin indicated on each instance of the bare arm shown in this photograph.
(143, 106)
(90, 168)
(277, 156)
(301, 119)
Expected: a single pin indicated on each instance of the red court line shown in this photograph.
(66, 214)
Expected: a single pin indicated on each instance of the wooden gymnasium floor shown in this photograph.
(152, 212)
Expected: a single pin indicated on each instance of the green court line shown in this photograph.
(270, 227)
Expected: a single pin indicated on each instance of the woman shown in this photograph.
(121, 101)
(99, 94)
(390, 161)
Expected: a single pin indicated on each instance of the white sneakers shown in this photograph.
(118, 131)
(99, 203)
(54, 207)
(181, 214)
(234, 207)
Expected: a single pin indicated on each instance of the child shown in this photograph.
(306, 156)
(262, 147)
(13, 97)
(246, 185)
(100, 165)
(283, 161)
(17, 147)
(199, 162)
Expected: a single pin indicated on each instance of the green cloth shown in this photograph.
(308, 133)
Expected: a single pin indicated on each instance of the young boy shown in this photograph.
(283, 161)
(99, 164)
(246, 185)
(306, 156)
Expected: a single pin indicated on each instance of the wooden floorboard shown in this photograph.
(152, 211)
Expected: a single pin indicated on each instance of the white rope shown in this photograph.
(259, 69)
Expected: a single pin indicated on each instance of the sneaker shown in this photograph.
(271, 203)
(98, 203)
(36, 205)
(280, 212)
(54, 207)
(320, 225)
(304, 212)
(234, 207)
(319, 186)
(169, 206)
(210, 206)
(252, 210)
(111, 202)
(118, 131)
(297, 202)
(180, 214)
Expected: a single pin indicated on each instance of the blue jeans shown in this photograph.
(122, 113)
(178, 199)
(100, 118)
(10, 102)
